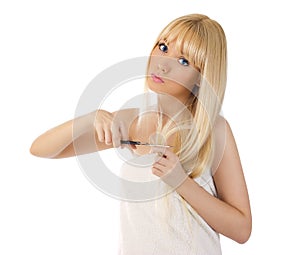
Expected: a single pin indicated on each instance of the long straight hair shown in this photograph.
(202, 41)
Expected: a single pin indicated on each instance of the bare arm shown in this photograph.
(98, 130)
(229, 214)
(58, 141)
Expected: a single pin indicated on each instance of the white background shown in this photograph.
(51, 50)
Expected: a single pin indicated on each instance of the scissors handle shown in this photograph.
(130, 142)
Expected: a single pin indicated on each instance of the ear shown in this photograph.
(195, 90)
(199, 79)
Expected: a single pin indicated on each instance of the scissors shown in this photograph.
(145, 144)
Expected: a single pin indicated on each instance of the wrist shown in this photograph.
(184, 186)
(83, 124)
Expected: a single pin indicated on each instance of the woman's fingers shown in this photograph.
(168, 167)
(159, 150)
(163, 161)
(108, 135)
(120, 132)
(101, 123)
(116, 134)
(157, 172)
(109, 129)
(100, 133)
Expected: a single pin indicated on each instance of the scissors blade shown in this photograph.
(156, 145)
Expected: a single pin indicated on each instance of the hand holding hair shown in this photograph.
(168, 167)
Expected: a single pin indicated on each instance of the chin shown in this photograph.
(155, 87)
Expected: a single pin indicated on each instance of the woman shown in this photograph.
(187, 69)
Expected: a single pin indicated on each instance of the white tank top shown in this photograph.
(166, 225)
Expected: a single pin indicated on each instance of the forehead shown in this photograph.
(185, 38)
(182, 34)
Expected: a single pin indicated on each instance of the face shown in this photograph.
(170, 72)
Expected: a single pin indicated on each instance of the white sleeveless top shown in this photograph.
(167, 225)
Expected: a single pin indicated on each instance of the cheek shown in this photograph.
(179, 90)
(185, 80)
(153, 62)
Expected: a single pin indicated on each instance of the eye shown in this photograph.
(183, 61)
(163, 47)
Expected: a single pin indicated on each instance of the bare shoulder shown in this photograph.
(224, 134)
(228, 169)
(220, 125)
(225, 145)
(220, 136)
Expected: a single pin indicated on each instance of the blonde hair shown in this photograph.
(202, 41)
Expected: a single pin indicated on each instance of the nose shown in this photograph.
(162, 67)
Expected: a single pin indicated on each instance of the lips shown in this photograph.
(156, 78)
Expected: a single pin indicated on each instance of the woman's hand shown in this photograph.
(168, 167)
(109, 129)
